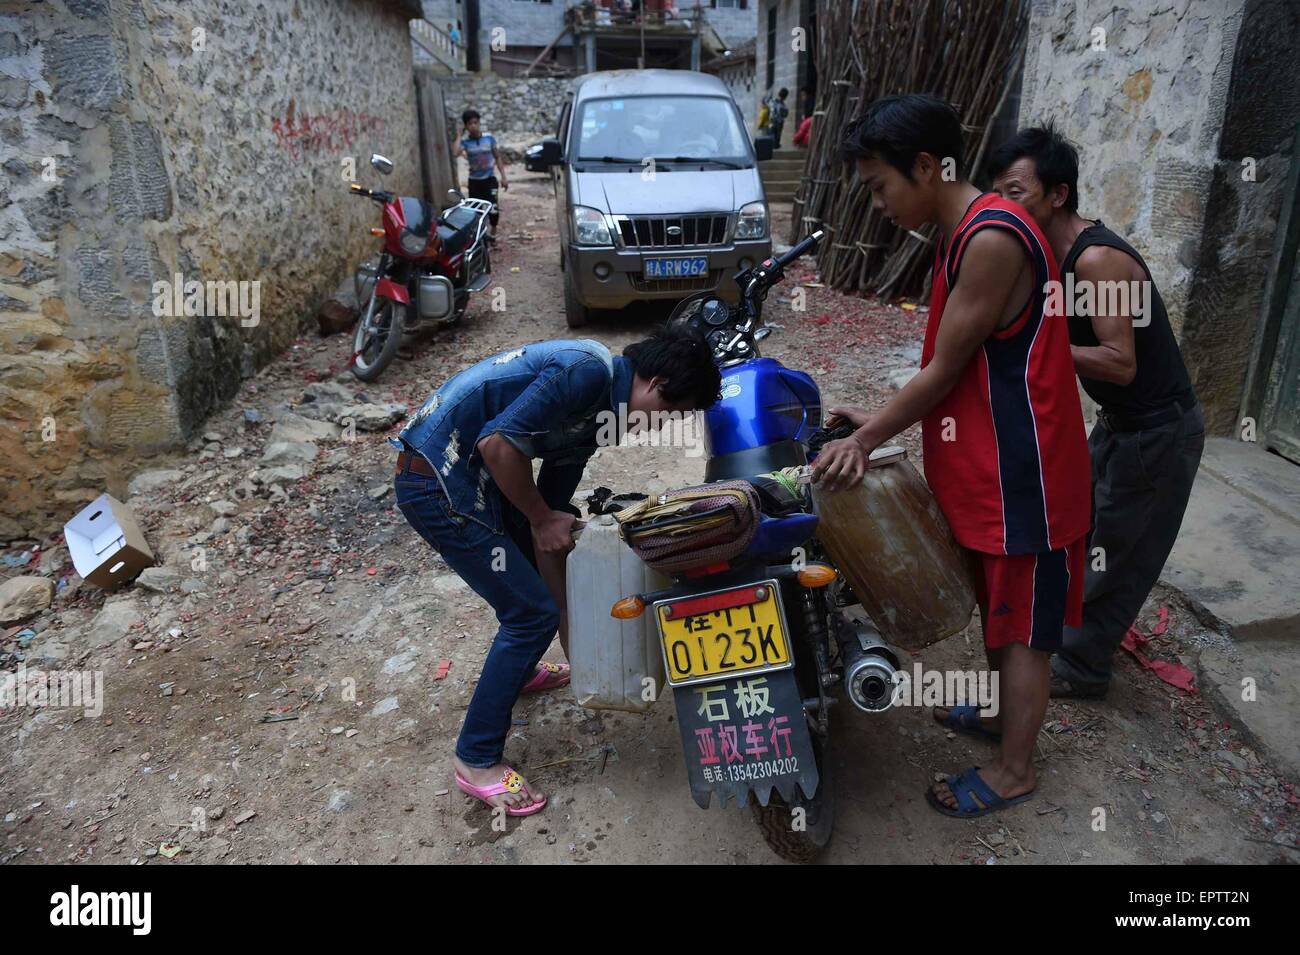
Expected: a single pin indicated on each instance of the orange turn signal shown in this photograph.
(816, 575)
(629, 608)
(376, 231)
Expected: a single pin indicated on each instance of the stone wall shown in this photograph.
(1164, 115)
(513, 109)
(1145, 111)
(142, 139)
(1223, 324)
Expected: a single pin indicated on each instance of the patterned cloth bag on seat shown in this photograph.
(691, 526)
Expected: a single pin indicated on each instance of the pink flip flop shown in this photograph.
(549, 676)
(511, 782)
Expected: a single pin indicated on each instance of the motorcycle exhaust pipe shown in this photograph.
(869, 667)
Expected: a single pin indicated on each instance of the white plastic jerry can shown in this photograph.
(616, 664)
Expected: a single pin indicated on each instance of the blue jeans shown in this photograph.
(498, 571)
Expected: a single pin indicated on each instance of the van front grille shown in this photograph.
(672, 232)
(699, 283)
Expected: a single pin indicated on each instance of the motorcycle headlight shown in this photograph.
(752, 221)
(413, 244)
(589, 226)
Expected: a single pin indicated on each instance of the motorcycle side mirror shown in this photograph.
(455, 195)
(381, 163)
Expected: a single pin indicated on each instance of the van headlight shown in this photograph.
(752, 221)
(589, 226)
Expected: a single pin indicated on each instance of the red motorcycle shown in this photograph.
(429, 266)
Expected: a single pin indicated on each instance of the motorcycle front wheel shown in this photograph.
(800, 836)
(377, 338)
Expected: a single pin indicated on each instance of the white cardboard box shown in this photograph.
(105, 543)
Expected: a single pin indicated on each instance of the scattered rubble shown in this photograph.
(291, 601)
(22, 597)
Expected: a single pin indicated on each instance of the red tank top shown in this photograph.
(1005, 450)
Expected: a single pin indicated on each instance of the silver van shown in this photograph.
(657, 189)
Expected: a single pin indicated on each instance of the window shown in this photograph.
(771, 48)
(633, 128)
(730, 4)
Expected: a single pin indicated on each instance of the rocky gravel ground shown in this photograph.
(286, 685)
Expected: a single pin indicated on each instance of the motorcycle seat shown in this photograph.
(456, 228)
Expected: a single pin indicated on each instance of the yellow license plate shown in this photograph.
(717, 635)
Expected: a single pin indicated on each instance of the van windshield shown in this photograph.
(668, 128)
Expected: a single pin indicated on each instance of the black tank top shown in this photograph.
(1161, 376)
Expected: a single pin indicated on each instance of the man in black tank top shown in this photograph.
(1147, 443)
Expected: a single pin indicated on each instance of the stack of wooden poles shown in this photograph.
(969, 52)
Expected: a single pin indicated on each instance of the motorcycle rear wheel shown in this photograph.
(776, 819)
(385, 326)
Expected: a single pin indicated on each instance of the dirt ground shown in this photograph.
(283, 702)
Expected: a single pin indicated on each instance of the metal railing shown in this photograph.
(590, 17)
(438, 44)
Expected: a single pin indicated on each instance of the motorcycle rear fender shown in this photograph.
(387, 288)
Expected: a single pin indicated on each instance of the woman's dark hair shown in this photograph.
(469, 114)
(1056, 161)
(681, 355)
(897, 128)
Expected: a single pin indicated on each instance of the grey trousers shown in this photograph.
(1141, 481)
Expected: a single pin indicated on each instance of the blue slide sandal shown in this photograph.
(971, 790)
(966, 719)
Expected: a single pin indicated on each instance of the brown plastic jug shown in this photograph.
(894, 547)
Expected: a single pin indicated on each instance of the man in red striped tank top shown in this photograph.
(1002, 428)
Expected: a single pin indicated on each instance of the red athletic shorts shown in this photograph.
(1029, 598)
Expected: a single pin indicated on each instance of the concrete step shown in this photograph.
(1237, 562)
(1256, 686)
(1238, 553)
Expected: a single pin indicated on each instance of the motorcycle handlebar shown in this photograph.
(360, 190)
(805, 246)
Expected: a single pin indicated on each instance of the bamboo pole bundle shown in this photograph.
(966, 51)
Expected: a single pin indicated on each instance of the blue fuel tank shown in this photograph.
(766, 412)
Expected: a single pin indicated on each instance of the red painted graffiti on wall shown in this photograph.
(336, 130)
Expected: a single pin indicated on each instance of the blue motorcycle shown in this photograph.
(756, 647)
